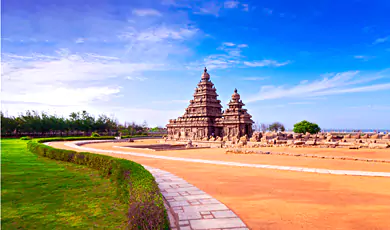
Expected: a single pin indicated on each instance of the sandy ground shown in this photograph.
(274, 199)
(219, 154)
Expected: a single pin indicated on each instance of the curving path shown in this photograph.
(78, 144)
(266, 197)
(188, 207)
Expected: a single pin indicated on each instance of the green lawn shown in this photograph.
(39, 193)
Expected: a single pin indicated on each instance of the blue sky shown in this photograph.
(324, 61)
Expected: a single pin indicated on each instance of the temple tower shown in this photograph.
(203, 117)
(236, 120)
(199, 118)
(205, 102)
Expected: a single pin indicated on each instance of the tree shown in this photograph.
(305, 126)
(276, 126)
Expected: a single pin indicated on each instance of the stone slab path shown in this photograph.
(191, 208)
(78, 145)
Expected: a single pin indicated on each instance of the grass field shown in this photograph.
(38, 193)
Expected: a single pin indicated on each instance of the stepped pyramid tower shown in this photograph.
(204, 117)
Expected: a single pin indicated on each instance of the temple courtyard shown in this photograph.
(270, 198)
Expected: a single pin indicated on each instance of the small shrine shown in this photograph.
(203, 118)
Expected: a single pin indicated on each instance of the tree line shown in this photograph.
(300, 127)
(78, 123)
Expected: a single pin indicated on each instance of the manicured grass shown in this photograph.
(39, 193)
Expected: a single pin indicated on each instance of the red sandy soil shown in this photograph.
(274, 199)
(219, 154)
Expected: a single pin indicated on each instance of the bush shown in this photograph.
(26, 138)
(305, 126)
(95, 134)
(41, 140)
(135, 185)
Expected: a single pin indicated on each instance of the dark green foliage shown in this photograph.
(95, 134)
(77, 124)
(135, 185)
(41, 140)
(25, 138)
(305, 126)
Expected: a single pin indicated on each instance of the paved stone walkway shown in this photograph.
(78, 144)
(190, 208)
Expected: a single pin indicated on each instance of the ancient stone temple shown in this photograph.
(203, 118)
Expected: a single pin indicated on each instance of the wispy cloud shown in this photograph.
(231, 4)
(264, 63)
(231, 56)
(381, 40)
(214, 7)
(254, 78)
(331, 84)
(136, 78)
(371, 107)
(146, 12)
(79, 40)
(81, 77)
(245, 7)
(301, 103)
(211, 8)
(268, 11)
(171, 102)
(228, 44)
(363, 57)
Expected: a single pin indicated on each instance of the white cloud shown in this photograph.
(146, 12)
(331, 84)
(154, 36)
(245, 7)
(209, 8)
(177, 3)
(363, 57)
(171, 102)
(228, 44)
(381, 40)
(97, 56)
(136, 78)
(80, 40)
(62, 96)
(242, 46)
(65, 79)
(265, 63)
(231, 4)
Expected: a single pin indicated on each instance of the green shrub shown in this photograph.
(26, 138)
(95, 134)
(305, 126)
(41, 140)
(135, 185)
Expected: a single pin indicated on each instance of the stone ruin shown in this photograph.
(324, 140)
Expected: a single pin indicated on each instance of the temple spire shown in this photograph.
(205, 75)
